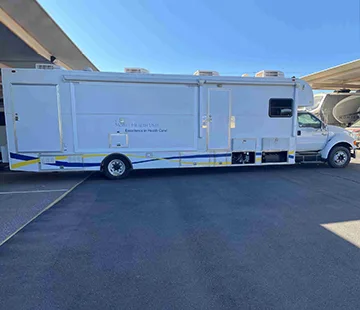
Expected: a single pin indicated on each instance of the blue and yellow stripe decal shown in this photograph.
(25, 160)
(59, 160)
(258, 156)
(29, 160)
(182, 157)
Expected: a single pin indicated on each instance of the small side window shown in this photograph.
(2, 119)
(281, 107)
(307, 120)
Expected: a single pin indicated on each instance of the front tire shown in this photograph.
(116, 167)
(339, 157)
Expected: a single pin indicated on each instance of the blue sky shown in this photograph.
(229, 36)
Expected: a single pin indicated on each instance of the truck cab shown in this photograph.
(318, 142)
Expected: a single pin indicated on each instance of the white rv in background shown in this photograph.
(60, 120)
(340, 108)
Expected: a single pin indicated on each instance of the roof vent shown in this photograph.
(270, 73)
(136, 70)
(47, 67)
(206, 72)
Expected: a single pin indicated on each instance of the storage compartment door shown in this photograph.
(219, 119)
(36, 118)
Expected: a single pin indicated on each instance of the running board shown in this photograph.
(308, 157)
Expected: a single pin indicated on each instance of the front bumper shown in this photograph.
(353, 152)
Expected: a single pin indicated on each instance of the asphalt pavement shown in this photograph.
(24, 195)
(247, 238)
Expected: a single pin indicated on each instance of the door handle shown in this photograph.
(324, 133)
(204, 122)
(299, 132)
(16, 117)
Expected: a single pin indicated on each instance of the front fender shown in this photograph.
(334, 141)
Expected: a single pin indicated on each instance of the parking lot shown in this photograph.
(25, 195)
(244, 238)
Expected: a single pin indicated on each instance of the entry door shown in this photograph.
(219, 119)
(36, 118)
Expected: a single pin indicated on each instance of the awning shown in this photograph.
(29, 35)
(343, 76)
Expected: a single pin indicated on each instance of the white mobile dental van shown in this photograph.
(114, 122)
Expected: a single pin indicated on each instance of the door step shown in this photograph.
(308, 157)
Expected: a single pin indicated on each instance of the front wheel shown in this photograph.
(116, 167)
(339, 157)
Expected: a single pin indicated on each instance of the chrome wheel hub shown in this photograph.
(116, 167)
(340, 158)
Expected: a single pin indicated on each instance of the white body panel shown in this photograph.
(29, 126)
(72, 120)
(219, 107)
(336, 135)
(311, 139)
(154, 117)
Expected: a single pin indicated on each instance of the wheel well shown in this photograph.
(344, 144)
(124, 157)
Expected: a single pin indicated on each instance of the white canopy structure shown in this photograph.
(343, 76)
(29, 36)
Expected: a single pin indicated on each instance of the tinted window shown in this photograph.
(280, 107)
(308, 120)
(2, 119)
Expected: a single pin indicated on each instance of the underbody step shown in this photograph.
(308, 157)
(311, 162)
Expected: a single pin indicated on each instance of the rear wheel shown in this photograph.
(116, 167)
(339, 157)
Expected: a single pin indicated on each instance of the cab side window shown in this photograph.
(306, 120)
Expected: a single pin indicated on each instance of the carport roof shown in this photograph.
(33, 27)
(343, 76)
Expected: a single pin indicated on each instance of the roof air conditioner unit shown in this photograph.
(136, 70)
(270, 73)
(47, 67)
(206, 72)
